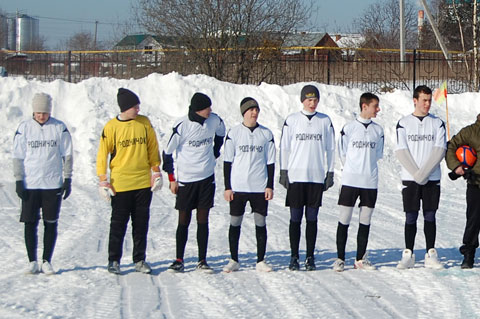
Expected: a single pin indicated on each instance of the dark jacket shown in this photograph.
(469, 135)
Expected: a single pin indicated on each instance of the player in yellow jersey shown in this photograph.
(131, 143)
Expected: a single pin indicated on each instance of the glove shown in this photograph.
(284, 178)
(156, 181)
(106, 190)
(20, 190)
(67, 187)
(328, 181)
(453, 176)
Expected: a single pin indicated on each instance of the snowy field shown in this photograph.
(83, 288)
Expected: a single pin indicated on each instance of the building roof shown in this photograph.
(304, 39)
(136, 39)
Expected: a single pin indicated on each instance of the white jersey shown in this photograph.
(42, 149)
(419, 135)
(360, 147)
(249, 152)
(307, 147)
(192, 144)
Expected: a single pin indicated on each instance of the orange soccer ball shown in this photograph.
(466, 155)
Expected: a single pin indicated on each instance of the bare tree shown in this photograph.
(224, 38)
(81, 41)
(380, 22)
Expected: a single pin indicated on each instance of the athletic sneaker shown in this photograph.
(294, 264)
(176, 266)
(338, 265)
(32, 268)
(47, 268)
(231, 266)
(203, 266)
(143, 267)
(364, 264)
(310, 264)
(407, 261)
(262, 266)
(113, 267)
(431, 259)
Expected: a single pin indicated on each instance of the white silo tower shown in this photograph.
(27, 33)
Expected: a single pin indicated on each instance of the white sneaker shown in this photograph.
(364, 264)
(338, 265)
(231, 266)
(407, 261)
(32, 268)
(262, 266)
(47, 268)
(431, 259)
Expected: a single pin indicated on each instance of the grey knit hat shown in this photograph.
(42, 103)
(248, 103)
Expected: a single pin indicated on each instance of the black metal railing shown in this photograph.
(367, 69)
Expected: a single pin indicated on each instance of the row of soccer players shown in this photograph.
(129, 149)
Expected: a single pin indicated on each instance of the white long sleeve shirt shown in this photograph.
(42, 149)
(307, 147)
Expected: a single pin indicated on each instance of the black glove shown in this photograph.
(453, 176)
(67, 187)
(328, 181)
(21, 191)
(284, 178)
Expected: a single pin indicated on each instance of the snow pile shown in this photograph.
(83, 288)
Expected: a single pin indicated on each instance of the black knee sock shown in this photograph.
(430, 231)
(342, 234)
(202, 241)
(233, 239)
(311, 237)
(261, 234)
(31, 240)
(410, 233)
(362, 240)
(181, 237)
(49, 239)
(294, 232)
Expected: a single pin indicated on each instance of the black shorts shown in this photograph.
(258, 203)
(49, 200)
(196, 195)
(304, 194)
(412, 193)
(349, 195)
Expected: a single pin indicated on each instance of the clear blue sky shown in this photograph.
(333, 15)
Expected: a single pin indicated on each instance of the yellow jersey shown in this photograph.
(133, 149)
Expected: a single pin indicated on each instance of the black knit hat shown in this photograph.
(199, 102)
(126, 99)
(308, 92)
(248, 103)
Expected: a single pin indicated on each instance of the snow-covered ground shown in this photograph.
(84, 289)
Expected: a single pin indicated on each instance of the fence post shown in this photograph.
(414, 67)
(69, 66)
(328, 67)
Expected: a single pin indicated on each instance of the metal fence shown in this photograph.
(366, 69)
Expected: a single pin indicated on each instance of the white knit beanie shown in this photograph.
(42, 103)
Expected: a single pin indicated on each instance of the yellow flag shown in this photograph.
(440, 94)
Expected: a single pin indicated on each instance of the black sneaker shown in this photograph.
(294, 264)
(177, 266)
(203, 266)
(310, 264)
(113, 267)
(467, 262)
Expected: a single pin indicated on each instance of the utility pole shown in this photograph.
(402, 35)
(95, 39)
(437, 33)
